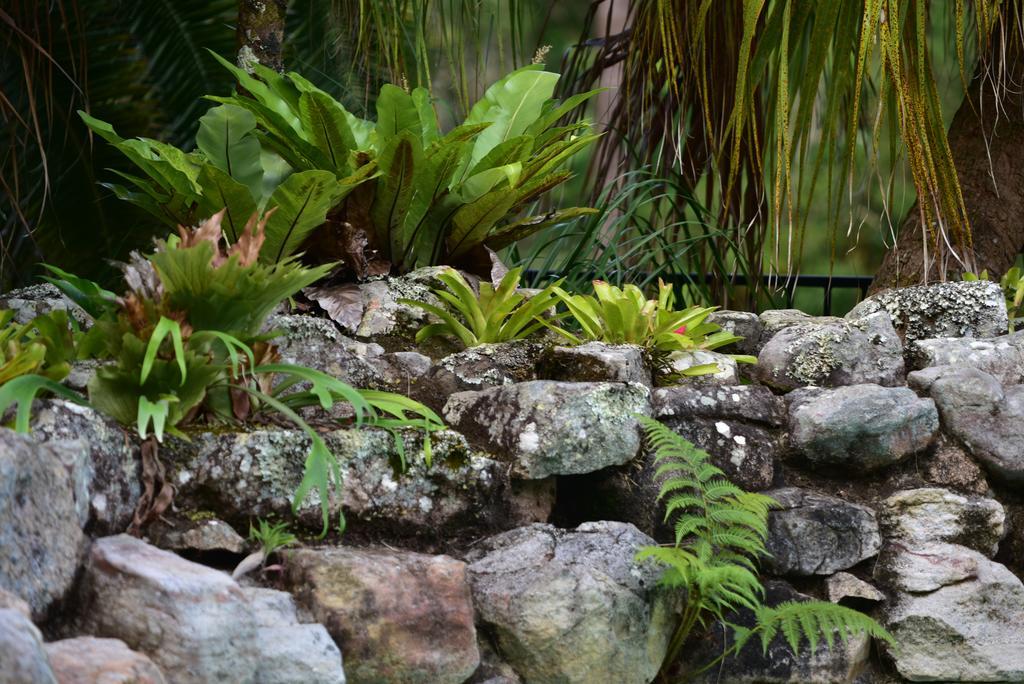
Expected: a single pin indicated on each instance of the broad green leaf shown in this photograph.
(23, 389)
(221, 191)
(512, 105)
(429, 129)
(227, 137)
(399, 162)
(559, 109)
(506, 235)
(260, 91)
(164, 328)
(326, 126)
(396, 114)
(302, 202)
(476, 186)
(472, 223)
(95, 300)
(155, 411)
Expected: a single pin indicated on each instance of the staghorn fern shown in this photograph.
(720, 533)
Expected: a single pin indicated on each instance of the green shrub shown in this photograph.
(720, 533)
(394, 194)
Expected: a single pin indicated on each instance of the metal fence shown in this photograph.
(789, 283)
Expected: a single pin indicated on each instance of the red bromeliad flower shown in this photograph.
(681, 330)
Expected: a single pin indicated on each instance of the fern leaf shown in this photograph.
(808, 620)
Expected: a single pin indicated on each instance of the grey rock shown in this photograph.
(744, 324)
(547, 428)
(400, 617)
(197, 537)
(1001, 357)
(845, 662)
(986, 418)
(573, 605)
(860, 427)
(966, 629)
(595, 362)
(101, 459)
(952, 467)
(289, 650)
(194, 622)
(727, 373)
(483, 366)
(493, 670)
(22, 657)
(9, 601)
(953, 309)
(815, 534)
(831, 354)
(774, 320)
(931, 514)
(101, 661)
(36, 300)
(255, 474)
(738, 426)
(843, 586)
(40, 530)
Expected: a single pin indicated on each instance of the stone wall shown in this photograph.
(893, 440)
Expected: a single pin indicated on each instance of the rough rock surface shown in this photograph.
(22, 658)
(101, 661)
(932, 514)
(831, 354)
(744, 324)
(483, 366)
(774, 320)
(727, 373)
(553, 428)
(1001, 357)
(398, 616)
(843, 586)
(572, 605)
(35, 300)
(194, 622)
(952, 467)
(197, 537)
(861, 427)
(953, 309)
(957, 617)
(595, 362)
(986, 417)
(291, 651)
(779, 665)
(101, 459)
(815, 534)
(40, 530)
(738, 426)
(242, 475)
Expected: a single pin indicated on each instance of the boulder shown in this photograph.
(1001, 357)
(860, 427)
(595, 362)
(986, 418)
(778, 664)
(553, 428)
(573, 605)
(40, 529)
(727, 373)
(952, 309)
(483, 366)
(832, 354)
(739, 426)
(744, 324)
(398, 616)
(950, 466)
(931, 514)
(289, 650)
(956, 616)
(102, 461)
(22, 655)
(814, 534)
(197, 537)
(843, 587)
(194, 622)
(774, 320)
(255, 474)
(101, 661)
(36, 300)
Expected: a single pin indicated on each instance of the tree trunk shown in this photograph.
(260, 33)
(991, 177)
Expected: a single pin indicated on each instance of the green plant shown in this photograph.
(625, 316)
(1012, 284)
(720, 533)
(393, 194)
(188, 343)
(495, 314)
(34, 358)
(271, 538)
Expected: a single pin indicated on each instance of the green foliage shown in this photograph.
(408, 195)
(720, 533)
(271, 538)
(1012, 284)
(188, 342)
(496, 314)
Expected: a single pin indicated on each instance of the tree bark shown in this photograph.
(991, 176)
(260, 33)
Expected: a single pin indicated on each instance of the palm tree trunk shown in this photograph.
(260, 33)
(986, 138)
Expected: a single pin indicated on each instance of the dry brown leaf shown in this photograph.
(251, 240)
(343, 303)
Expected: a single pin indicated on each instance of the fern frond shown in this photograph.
(808, 620)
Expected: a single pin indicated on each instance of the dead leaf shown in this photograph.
(207, 231)
(251, 562)
(343, 303)
(248, 245)
(157, 493)
(498, 269)
(240, 403)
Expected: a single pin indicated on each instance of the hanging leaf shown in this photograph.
(325, 122)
